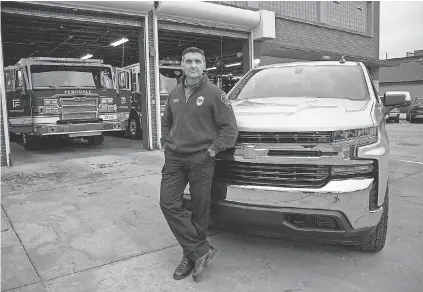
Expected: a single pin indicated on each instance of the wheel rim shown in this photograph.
(133, 127)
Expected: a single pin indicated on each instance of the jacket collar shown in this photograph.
(204, 79)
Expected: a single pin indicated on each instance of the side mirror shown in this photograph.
(397, 99)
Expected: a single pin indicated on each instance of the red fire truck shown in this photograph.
(170, 72)
(60, 98)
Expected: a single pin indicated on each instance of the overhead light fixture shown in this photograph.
(233, 65)
(119, 42)
(87, 56)
(212, 68)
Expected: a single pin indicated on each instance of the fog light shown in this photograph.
(352, 170)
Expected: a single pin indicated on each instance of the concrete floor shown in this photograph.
(88, 219)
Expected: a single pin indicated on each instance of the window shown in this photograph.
(336, 2)
(302, 81)
(20, 84)
(359, 9)
(124, 80)
(10, 78)
(60, 76)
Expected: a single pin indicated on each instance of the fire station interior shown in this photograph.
(118, 46)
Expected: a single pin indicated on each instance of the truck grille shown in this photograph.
(275, 175)
(287, 137)
(83, 109)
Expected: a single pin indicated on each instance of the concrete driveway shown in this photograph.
(73, 222)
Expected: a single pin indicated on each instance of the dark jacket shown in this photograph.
(206, 120)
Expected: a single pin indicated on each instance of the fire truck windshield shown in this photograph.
(61, 76)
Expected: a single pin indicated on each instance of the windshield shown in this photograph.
(59, 76)
(345, 82)
(169, 79)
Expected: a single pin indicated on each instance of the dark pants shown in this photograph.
(189, 228)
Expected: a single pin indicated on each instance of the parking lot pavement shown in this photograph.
(93, 223)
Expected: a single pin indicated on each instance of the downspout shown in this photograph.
(4, 106)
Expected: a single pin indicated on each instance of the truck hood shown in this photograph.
(277, 114)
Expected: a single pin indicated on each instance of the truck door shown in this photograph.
(123, 86)
(18, 100)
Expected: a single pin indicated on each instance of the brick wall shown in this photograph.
(2, 141)
(300, 24)
(306, 10)
(312, 37)
(151, 59)
(350, 15)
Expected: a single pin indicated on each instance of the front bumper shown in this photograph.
(267, 210)
(83, 129)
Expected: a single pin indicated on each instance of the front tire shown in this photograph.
(377, 239)
(96, 140)
(31, 142)
(134, 127)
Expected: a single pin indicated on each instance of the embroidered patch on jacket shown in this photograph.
(176, 100)
(200, 100)
(225, 99)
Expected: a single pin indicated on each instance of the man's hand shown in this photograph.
(212, 153)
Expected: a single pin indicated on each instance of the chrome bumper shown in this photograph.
(68, 129)
(347, 197)
(84, 129)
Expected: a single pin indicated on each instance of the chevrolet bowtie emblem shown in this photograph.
(249, 152)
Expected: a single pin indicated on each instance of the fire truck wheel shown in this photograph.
(96, 140)
(134, 126)
(31, 142)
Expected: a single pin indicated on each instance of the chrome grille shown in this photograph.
(284, 137)
(275, 175)
(301, 153)
(83, 109)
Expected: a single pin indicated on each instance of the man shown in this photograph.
(198, 122)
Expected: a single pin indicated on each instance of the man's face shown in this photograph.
(193, 65)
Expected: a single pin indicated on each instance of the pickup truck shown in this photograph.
(312, 157)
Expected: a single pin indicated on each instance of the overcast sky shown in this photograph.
(401, 28)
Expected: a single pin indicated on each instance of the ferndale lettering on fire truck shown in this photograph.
(60, 98)
(170, 72)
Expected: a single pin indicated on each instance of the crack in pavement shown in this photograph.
(23, 286)
(26, 252)
(408, 175)
(121, 260)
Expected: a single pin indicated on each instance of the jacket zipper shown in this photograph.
(185, 108)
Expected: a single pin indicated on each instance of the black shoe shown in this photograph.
(183, 270)
(202, 263)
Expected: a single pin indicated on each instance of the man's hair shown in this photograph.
(193, 50)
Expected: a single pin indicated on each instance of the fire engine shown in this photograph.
(170, 74)
(60, 98)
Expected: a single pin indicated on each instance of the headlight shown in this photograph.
(123, 116)
(48, 110)
(49, 101)
(106, 100)
(356, 136)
